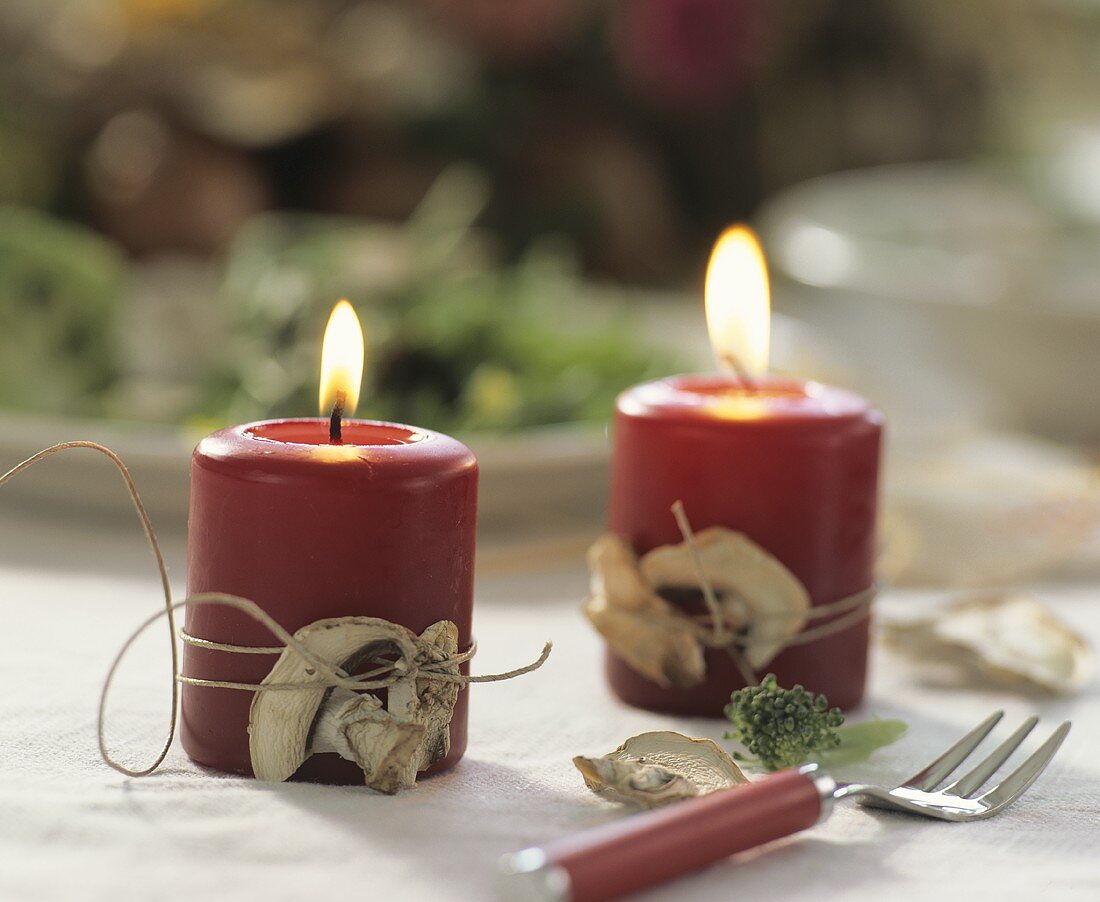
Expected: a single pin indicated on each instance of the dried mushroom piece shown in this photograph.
(663, 648)
(643, 629)
(760, 598)
(1012, 640)
(433, 701)
(359, 728)
(615, 574)
(390, 742)
(656, 768)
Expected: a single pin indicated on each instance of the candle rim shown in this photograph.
(721, 385)
(396, 435)
(773, 399)
(235, 450)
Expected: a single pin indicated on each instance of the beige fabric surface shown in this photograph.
(70, 828)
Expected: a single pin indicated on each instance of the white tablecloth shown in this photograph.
(70, 828)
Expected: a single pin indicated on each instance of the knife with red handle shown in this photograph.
(646, 849)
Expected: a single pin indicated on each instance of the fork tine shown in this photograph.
(973, 781)
(940, 769)
(1016, 783)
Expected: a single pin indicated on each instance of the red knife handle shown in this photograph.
(646, 849)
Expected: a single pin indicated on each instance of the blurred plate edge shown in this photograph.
(540, 484)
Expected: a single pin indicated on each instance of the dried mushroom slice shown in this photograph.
(656, 768)
(435, 699)
(760, 597)
(1012, 640)
(390, 742)
(643, 629)
(615, 575)
(662, 647)
(362, 730)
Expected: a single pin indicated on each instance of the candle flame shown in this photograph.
(341, 360)
(738, 302)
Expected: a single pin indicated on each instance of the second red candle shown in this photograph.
(792, 465)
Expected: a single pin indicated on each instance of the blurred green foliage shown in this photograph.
(455, 341)
(60, 288)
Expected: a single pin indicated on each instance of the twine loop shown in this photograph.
(414, 658)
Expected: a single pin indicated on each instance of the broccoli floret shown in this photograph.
(782, 727)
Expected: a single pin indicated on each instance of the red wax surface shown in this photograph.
(381, 525)
(794, 466)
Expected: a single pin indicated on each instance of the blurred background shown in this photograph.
(519, 197)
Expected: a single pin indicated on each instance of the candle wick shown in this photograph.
(732, 363)
(335, 424)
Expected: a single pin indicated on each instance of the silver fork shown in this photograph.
(927, 792)
(637, 852)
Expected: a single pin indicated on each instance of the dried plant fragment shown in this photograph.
(615, 574)
(656, 768)
(649, 634)
(390, 742)
(1012, 640)
(663, 648)
(759, 596)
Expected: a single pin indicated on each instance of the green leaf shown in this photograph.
(858, 741)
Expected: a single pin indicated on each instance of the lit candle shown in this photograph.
(318, 518)
(791, 464)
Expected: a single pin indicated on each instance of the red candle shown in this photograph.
(793, 465)
(379, 523)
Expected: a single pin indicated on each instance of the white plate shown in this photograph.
(544, 482)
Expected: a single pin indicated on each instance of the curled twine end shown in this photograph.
(387, 672)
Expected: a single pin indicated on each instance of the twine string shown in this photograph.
(419, 665)
(209, 645)
(721, 633)
(166, 588)
(423, 663)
